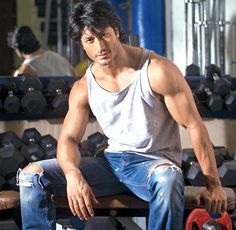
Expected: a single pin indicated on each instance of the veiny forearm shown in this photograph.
(68, 155)
(205, 154)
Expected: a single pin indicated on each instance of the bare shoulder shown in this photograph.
(24, 69)
(79, 93)
(164, 76)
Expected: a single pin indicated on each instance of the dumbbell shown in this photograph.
(2, 182)
(10, 139)
(192, 70)
(220, 85)
(96, 143)
(200, 219)
(11, 102)
(191, 168)
(227, 173)
(31, 149)
(59, 90)
(10, 161)
(214, 101)
(33, 101)
(49, 144)
(188, 156)
(230, 101)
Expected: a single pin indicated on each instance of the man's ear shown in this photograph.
(117, 32)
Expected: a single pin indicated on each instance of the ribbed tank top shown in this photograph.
(134, 119)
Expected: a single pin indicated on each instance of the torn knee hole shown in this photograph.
(33, 168)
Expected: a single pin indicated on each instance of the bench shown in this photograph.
(130, 205)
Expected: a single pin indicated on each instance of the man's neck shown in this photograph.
(38, 52)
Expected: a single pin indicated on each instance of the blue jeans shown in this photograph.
(162, 187)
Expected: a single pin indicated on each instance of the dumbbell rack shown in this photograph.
(50, 113)
(193, 82)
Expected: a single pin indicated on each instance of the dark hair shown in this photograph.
(95, 14)
(23, 38)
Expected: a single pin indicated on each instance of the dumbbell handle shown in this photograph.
(58, 91)
(10, 93)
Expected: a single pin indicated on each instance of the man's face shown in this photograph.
(101, 46)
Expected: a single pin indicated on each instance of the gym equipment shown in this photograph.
(59, 90)
(32, 150)
(96, 143)
(10, 161)
(10, 139)
(188, 156)
(49, 144)
(33, 101)
(11, 102)
(230, 101)
(214, 101)
(200, 219)
(227, 173)
(193, 175)
(220, 85)
(211, 224)
(192, 70)
(2, 182)
(11, 184)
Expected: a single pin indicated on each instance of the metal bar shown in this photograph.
(47, 21)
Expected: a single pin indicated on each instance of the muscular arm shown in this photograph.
(80, 195)
(167, 80)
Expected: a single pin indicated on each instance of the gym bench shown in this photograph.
(128, 205)
(120, 205)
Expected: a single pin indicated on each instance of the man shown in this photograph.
(138, 99)
(37, 61)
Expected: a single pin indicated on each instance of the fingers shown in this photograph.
(197, 200)
(214, 203)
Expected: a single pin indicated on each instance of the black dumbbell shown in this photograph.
(10, 139)
(227, 173)
(214, 101)
(59, 90)
(2, 182)
(230, 101)
(192, 70)
(32, 150)
(33, 101)
(11, 184)
(220, 85)
(191, 168)
(49, 145)
(188, 156)
(96, 143)
(11, 102)
(10, 161)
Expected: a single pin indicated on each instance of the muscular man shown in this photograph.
(37, 61)
(138, 98)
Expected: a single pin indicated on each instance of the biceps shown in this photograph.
(182, 107)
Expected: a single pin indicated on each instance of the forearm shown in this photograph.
(68, 155)
(205, 154)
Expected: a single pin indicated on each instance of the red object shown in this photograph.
(199, 216)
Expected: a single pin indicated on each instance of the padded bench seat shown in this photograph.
(9, 200)
(130, 205)
(115, 205)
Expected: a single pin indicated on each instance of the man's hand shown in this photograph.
(214, 199)
(80, 195)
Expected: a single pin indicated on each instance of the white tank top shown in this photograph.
(134, 119)
(50, 64)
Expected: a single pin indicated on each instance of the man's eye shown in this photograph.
(89, 40)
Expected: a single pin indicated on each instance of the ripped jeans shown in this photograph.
(162, 187)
